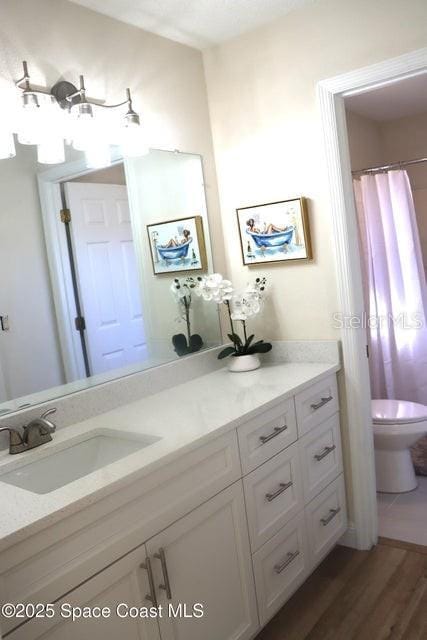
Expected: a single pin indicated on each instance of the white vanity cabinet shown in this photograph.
(234, 525)
(204, 558)
(295, 497)
(125, 581)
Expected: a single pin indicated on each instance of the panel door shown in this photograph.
(124, 583)
(206, 560)
(107, 274)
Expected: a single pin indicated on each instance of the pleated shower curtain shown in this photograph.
(394, 286)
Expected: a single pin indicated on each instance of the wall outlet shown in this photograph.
(4, 323)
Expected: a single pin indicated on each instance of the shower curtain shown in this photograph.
(394, 286)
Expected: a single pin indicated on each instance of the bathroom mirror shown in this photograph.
(88, 258)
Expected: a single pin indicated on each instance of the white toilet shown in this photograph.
(397, 426)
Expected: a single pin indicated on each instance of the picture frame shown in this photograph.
(177, 245)
(274, 232)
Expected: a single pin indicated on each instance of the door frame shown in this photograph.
(49, 182)
(363, 531)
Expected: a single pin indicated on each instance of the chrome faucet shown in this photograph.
(35, 433)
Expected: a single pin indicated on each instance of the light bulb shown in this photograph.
(83, 131)
(30, 128)
(51, 151)
(7, 145)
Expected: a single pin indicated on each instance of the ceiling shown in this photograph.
(407, 97)
(198, 23)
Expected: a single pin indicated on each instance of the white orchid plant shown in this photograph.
(241, 306)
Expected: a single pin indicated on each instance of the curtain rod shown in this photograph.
(386, 167)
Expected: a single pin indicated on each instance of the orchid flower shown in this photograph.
(240, 306)
(214, 287)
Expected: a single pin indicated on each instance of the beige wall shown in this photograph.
(62, 40)
(365, 141)
(267, 137)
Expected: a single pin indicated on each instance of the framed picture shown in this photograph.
(275, 232)
(178, 245)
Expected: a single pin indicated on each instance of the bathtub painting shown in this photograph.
(276, 232)
(177, 245)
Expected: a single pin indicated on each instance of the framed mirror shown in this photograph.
(80, 302)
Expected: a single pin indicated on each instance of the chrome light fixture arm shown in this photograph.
(67, 94)
(29, 93)
(33, 128)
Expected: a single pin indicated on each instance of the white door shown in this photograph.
(207, 560)
(124, 583)
(107, 274)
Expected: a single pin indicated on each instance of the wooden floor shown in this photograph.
(364, 595)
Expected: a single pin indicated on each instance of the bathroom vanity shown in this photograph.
(233, 495)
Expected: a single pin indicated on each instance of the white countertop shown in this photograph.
(184, 417)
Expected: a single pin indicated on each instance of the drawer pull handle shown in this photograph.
(289, 558)
(166, 586)
(331, 516)
(321, 402)
(275, 433)
(282, 487)
(326, 451)
(151, 597)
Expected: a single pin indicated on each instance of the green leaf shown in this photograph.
(235, 339)
(180, 344)
(226, 352)
(261, 348)
(249, 340)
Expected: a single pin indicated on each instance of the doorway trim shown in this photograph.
(49, 182)
(363, 531)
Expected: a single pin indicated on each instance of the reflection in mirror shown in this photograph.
(89, 258)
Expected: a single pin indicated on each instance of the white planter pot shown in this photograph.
(244, 363)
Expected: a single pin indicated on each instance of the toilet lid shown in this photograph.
(397, 411)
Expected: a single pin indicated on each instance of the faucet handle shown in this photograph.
(47, 413)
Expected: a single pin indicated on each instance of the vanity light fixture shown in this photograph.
(50, 117)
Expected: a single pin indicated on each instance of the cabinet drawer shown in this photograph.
(52, 562)
(273, 495)
(280, 566)
(315, 404)
(326, 518)
(321, 458)
(267, 434)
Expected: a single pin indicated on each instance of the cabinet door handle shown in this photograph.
(151, 597)
(321, 402)
(272, 435)
(326, 451)
(282, 487)
(166, 586)
(332, 513)
(289, 558)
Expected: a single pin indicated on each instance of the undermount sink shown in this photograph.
(75, 460)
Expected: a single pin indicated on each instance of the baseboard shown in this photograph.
(349, 539)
